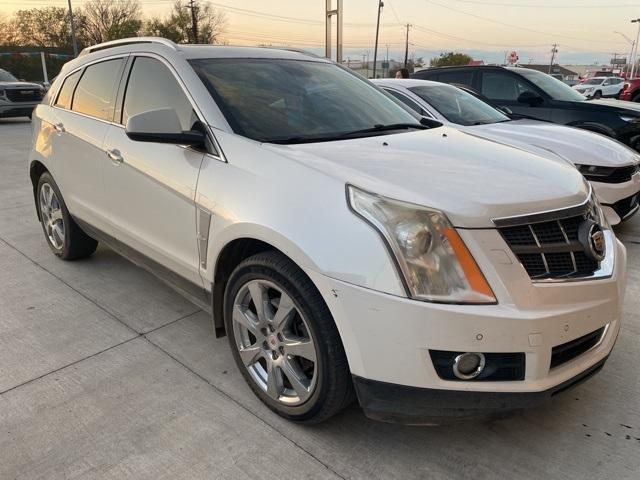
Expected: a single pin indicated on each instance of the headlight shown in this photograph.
(630, 118)
(431, 256)
(587, 90)
(594, 172)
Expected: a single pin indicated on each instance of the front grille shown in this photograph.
(24, 95)
(550, 249)
(612, 174)
(568, 351)
(625, 206)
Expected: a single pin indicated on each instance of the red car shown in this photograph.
(631, 90)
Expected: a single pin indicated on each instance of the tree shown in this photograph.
(178, 26)
(451, 58)
(104, 20)
(40, 27)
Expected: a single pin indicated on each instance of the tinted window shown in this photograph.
(295, 100)
(463, 77)
(66, 91)
(458, 106)
(551, 86)
(152, 86)
(96, 90)
(503, 86)
(407, 101)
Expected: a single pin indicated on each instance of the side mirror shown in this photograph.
(530, 98)
(506, 110)
(161, 126)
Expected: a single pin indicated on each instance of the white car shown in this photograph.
(612, 168)
(342, 245)
(601, 87)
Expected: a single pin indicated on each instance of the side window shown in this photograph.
(95, 93)
(463, 77)
(502, 86)
(608, 81)
(66, 91)
(407, 101)
(152, 86)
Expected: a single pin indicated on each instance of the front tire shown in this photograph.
(597, 95)
(65, 238)
(284, 339)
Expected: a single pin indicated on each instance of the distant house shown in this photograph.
(476, 63)
(555, 69)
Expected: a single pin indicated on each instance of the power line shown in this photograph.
(519, 27)
(537, 5)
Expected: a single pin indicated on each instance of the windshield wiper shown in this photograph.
(341, 136)
(384, 128)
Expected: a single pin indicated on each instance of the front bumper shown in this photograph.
(388, 338)
(16, 109)
(619, 200)
(391, 403)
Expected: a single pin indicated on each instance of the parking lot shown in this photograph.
(107, 373)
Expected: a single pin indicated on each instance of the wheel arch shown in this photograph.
(594, 127)
(36, 169)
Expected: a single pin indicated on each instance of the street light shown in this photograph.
(633, 44)
(375, 50)
(635, 50)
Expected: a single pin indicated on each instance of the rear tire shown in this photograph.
(304, 385)
(65, 238)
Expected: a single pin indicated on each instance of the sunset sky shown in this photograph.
(584, 29)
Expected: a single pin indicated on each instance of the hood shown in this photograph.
(608, 105)
(20, 85)
(471, 179)
(576, 145)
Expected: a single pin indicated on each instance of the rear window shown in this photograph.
(66, 91)
(95, 93)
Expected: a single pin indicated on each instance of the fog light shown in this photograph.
(468, 365)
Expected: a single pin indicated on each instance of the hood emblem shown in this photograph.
(591, 237)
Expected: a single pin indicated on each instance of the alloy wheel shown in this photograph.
(51, 214)
(274, 342)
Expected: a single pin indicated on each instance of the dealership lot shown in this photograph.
(106, 373)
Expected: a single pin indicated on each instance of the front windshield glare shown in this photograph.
(273, 100)
(458, 106)
(7, 77)
(551, 86)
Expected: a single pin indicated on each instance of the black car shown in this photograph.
(537, 95)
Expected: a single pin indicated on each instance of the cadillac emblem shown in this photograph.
(591, 237)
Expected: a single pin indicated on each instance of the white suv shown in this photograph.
(344, 245)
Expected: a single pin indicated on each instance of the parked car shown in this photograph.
(612, 168)
(537, 95)
(18, 99)
(342, 243)
(631, 90)
(599, 87)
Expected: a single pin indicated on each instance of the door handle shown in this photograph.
(115, 156)
(59, 127)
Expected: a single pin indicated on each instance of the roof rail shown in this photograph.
(128, 41)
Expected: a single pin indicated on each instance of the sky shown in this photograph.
(485, 29)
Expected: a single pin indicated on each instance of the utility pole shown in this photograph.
(73, 31)
(629, 58)
(386, 73)
(194, 19)
(635, 51)
(363, 57)
(406, 47)
(554, 50)
(375, 50)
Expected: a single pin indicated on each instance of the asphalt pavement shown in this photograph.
(107, 373)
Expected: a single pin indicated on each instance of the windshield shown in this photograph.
(271, 100)
(7, 77)
(551, 86)
(458, 106)
(593, 81)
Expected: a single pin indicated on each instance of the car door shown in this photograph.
(503, 88)
(151, 186)
(82, 114)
